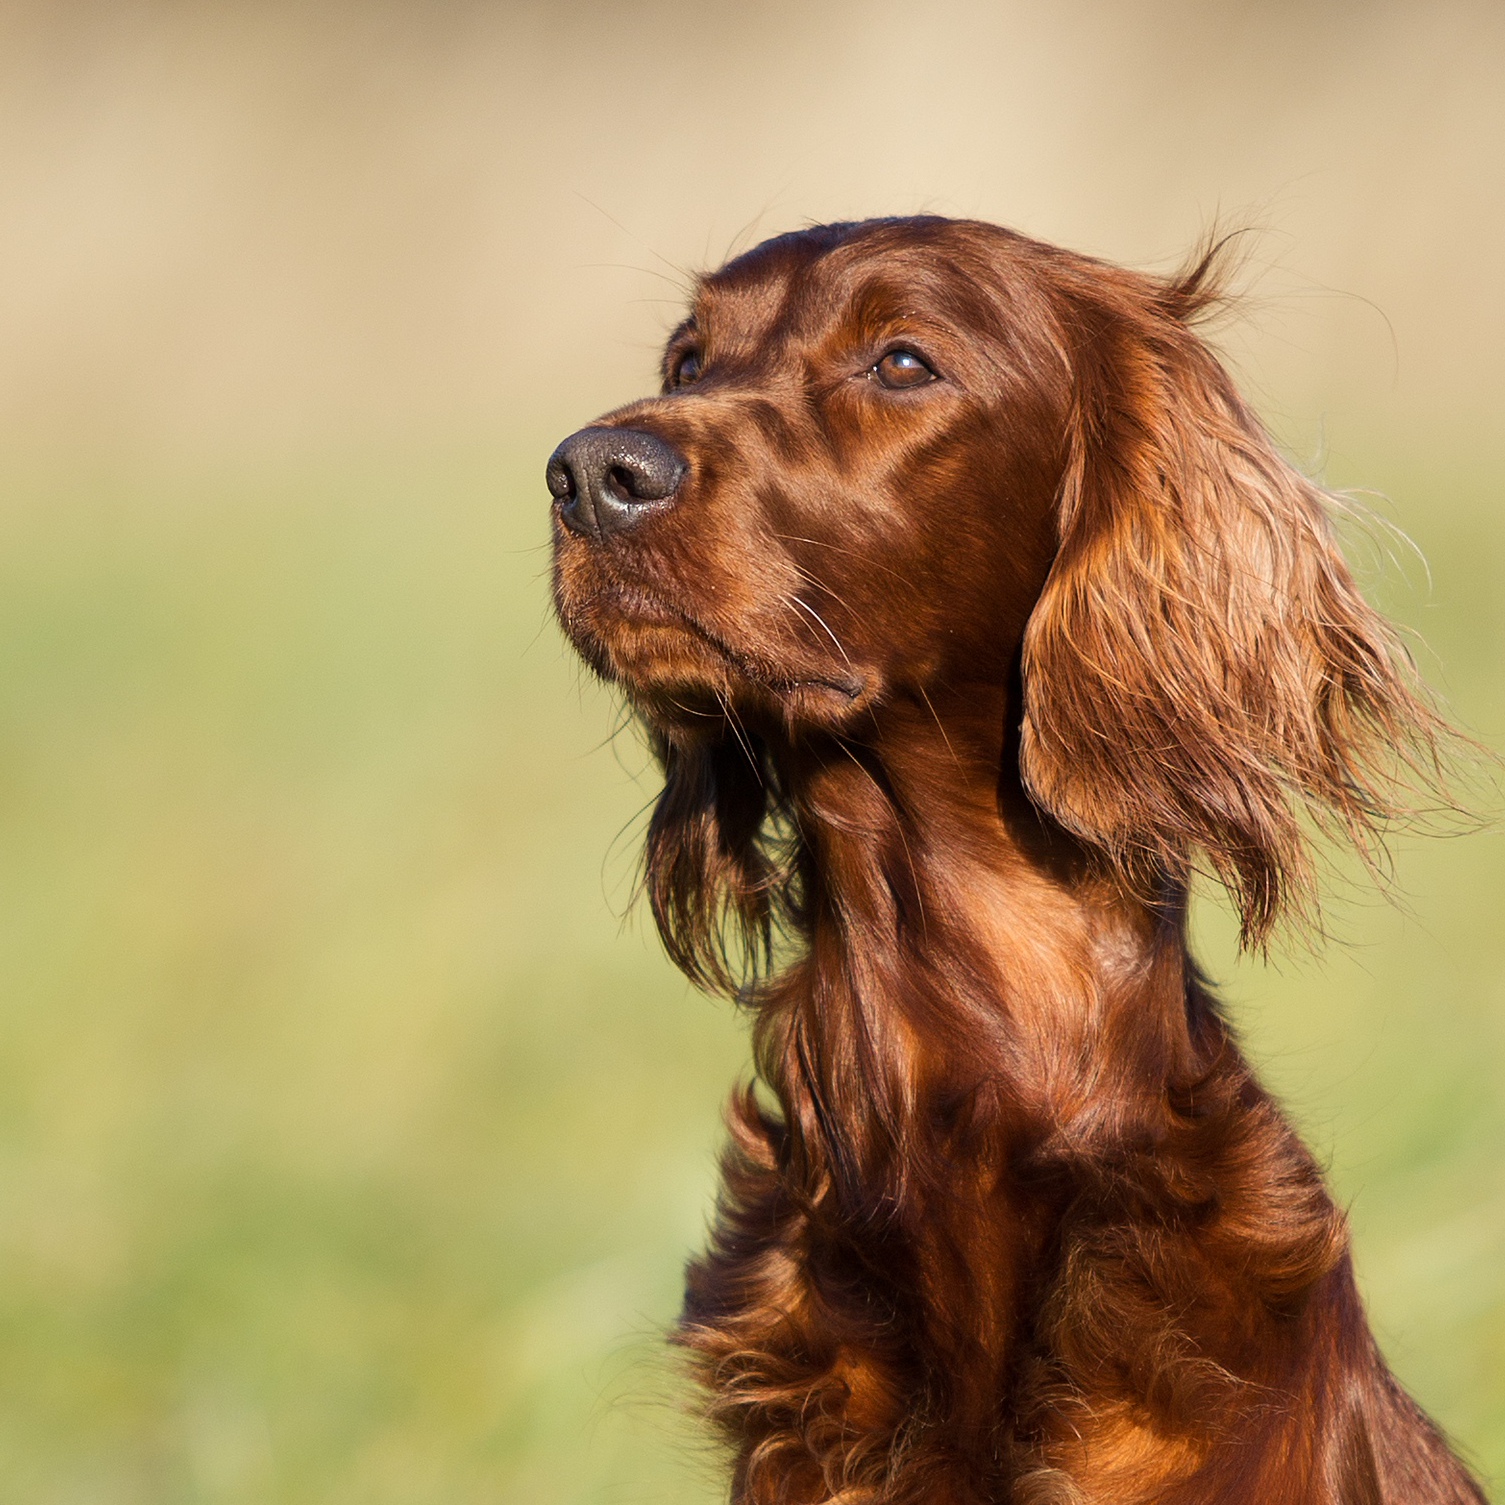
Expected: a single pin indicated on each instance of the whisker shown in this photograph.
(806, 607)
(816, 583)
(821, 543)
(888, 799)
(941, 729)
(743, 740)
(690, 710)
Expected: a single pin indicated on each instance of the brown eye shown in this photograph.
(903, 368)
(688, 369)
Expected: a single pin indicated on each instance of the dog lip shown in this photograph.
(634, 597)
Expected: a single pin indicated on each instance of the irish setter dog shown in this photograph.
(970, 612)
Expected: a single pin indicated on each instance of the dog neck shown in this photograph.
(965, 957)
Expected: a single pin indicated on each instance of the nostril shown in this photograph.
(623, 483)
(560, 480)
(643, 468)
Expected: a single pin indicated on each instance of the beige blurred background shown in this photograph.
(235, 225)
(350, 1143)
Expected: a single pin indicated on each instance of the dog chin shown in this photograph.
(678, 680)
(669, 666)
(681, 674)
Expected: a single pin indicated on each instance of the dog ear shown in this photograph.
(710, 865)
(1201, 671)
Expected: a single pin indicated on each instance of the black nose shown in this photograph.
(606, 480)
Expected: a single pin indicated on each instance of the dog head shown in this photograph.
(931, 459)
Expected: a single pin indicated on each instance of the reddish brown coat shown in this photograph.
(954, 685)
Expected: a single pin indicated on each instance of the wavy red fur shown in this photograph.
(955, 685)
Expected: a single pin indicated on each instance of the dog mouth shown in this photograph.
(631, 616)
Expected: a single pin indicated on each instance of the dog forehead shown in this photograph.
(805, 307)
(968, 296)
(853, 280)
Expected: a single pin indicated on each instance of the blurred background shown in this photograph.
(351, 1139)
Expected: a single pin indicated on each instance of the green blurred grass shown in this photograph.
(350, 1146)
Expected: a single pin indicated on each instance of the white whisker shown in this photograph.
(805, 606)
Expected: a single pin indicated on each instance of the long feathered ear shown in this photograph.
(714, 867)
(1201, 669)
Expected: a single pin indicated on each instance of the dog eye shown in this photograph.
(686, 370)
(903, 368)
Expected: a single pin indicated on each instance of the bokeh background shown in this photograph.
(350, 1138)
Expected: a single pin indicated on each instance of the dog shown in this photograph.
(971, 613)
